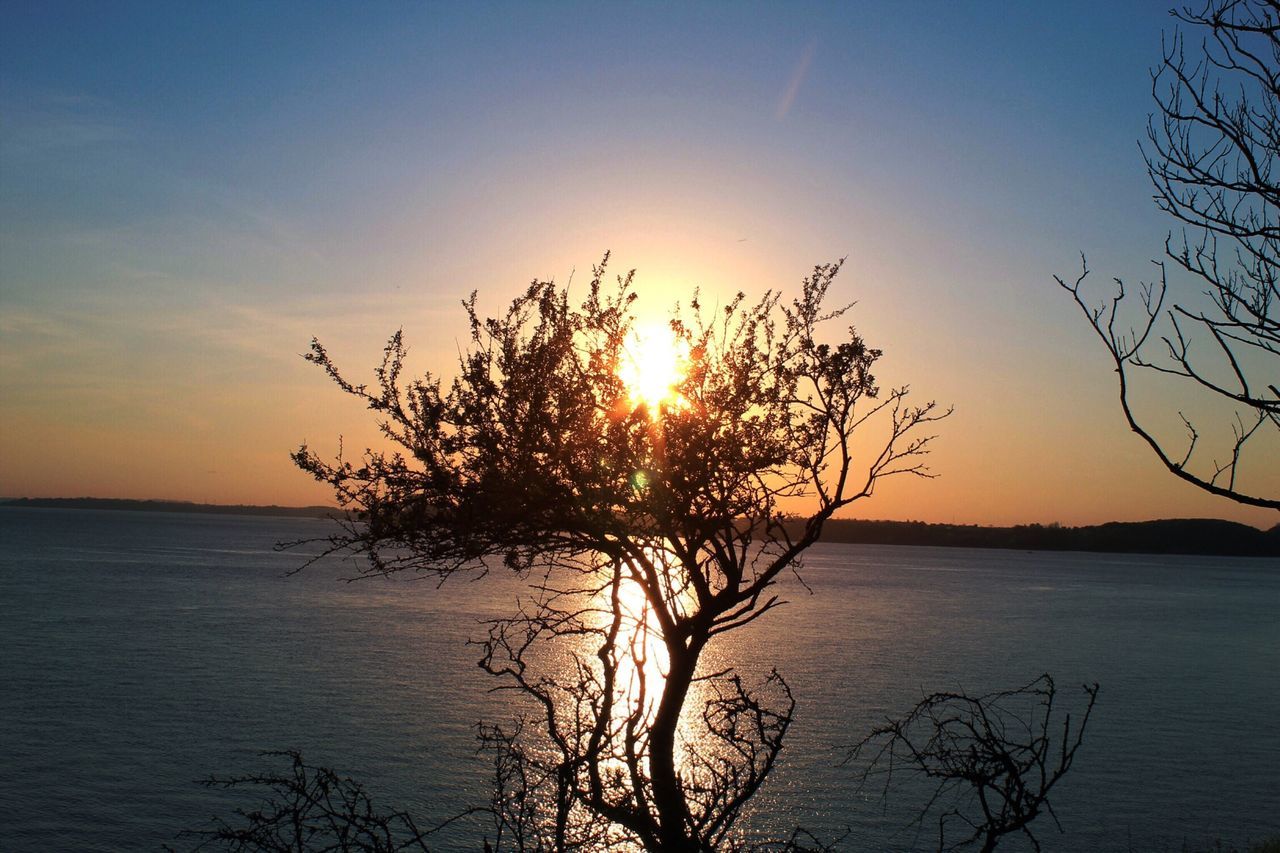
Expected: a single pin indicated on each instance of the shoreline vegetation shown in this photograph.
(1194, 536)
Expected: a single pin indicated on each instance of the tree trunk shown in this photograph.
(668, 798)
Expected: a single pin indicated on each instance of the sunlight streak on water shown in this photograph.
(645, 664)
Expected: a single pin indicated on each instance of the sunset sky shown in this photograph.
(190, 192)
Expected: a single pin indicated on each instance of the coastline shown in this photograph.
(1194, 536)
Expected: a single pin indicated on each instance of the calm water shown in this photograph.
(141, 652)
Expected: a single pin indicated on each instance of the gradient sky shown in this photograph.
(189, 192)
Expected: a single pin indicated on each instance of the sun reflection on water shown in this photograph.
(643, 661)
(603, 664)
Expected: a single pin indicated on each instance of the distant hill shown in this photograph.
(1207, 536)
(171, 506)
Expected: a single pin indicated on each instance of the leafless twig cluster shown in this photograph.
(308, 808)
(991, 759)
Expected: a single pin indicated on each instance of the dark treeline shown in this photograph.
(1205, 536)
(171, 506)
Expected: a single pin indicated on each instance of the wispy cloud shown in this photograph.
(797, 80)
(36, 122)
(16, 324)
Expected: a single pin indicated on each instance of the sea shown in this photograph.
(141, 653)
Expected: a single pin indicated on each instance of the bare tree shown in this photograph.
(992, 759)
(647, 530)
(310, 808)
(1211, 153)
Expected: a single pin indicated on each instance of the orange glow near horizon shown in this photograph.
(653, 364)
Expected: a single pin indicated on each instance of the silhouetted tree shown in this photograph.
(1212, 155)
(991, 759)
(308, 808)
(647, 531)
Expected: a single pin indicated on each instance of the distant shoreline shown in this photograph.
(130, 505)
(1195, 536)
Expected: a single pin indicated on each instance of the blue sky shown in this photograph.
(189, 192)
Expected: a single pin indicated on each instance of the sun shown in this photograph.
(653, 363)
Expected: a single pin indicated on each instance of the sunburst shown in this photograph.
(653, 365)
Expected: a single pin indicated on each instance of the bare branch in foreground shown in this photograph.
(992, 759)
